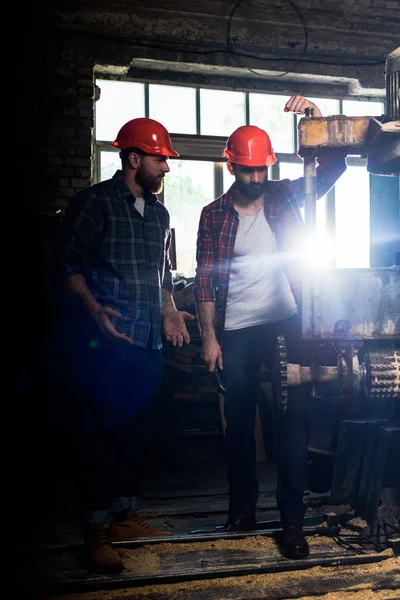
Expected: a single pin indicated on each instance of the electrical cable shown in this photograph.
(232, 51)
(175, 46)
(229, 47)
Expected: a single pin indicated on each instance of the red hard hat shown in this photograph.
(250, 146)
(147, 135)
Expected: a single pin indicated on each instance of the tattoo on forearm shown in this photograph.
(167, 300)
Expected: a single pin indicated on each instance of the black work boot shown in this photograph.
(241, 523)
(294, 543)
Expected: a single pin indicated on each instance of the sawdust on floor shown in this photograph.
(388, 568)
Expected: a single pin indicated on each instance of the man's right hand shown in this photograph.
(102, 317)
(298, 105)
(211, 353)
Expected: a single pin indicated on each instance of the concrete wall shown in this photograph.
(65, 43)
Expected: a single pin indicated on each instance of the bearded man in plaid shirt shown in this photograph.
(247, 293)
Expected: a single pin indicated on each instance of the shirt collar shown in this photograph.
(229, 197)
(125, 193)
(229, 194)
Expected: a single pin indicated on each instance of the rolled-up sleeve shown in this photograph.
(79, 232)
(167, 279)
(329, 169)
(205, 278)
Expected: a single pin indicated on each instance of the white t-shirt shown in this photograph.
(259, 291)
(139, 205)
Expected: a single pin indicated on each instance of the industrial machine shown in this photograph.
(351, 307)
(352, 316)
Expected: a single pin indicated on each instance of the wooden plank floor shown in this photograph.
(372, 581)
(212, 563)
(188, 565)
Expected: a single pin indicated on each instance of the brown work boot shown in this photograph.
(127, 525)
(100, 556)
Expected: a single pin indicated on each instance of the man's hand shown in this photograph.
(76, 285)
(211, 353)
(175, 326)
(102, 317)
(298, 105)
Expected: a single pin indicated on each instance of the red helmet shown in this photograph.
(146, 134)
(250, 146)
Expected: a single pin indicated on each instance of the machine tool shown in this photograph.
(351, 317)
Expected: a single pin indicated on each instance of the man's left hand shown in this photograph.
(175, 327)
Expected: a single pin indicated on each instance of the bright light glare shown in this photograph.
(352, 216)
(317, 252)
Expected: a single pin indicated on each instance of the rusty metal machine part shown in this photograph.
(382, 374)
(349, 371)
(365, 136)
(393, 85)
(281, 375)
(353, 307)
(378, 139)
(384, 138)
(351, 304)
(379, 373)
(298, 374)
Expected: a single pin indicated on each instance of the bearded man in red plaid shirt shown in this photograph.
(247, 293)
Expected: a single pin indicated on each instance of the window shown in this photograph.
(188, 187)
(267, 112)
(290, 170)
(118, 103)
(174, 107)
(221, 112)
(109, 163)
(328, 106)
(227, 178)
(201, 120)
(352, 218)
(358, 108)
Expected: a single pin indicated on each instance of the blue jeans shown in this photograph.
(103, 382)
(106, 468)
(107, 426)
(244, 350)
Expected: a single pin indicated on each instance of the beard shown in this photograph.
(147, 182)
(252, 191)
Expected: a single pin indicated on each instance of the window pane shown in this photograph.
(328, 106)
(358, 108)
(267, 112)
(187, 188)
(227, 179)
(352, 218)
(109, 163)
(221, 112)
(174, 107)
(119, 102)
(290, 170)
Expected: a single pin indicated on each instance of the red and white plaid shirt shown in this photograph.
(218, 227)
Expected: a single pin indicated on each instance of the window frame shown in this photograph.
(210, 148)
